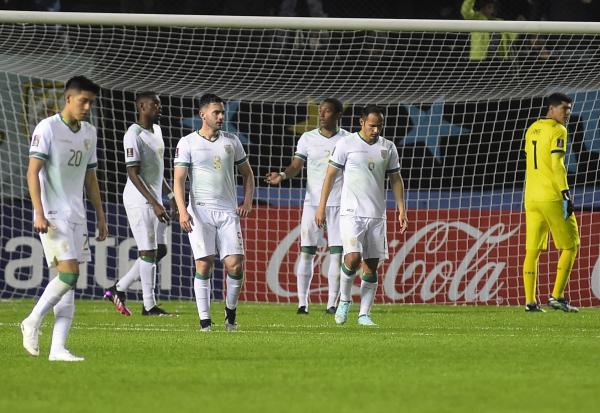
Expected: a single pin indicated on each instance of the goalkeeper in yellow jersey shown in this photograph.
(548, 205)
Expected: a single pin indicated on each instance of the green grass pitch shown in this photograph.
(419, 359)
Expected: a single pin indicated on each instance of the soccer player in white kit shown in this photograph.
(62, 161)
(314, 148)
(212, 219)
(365, 158)
(142, 198)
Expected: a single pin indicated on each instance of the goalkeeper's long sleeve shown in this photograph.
(559, 172)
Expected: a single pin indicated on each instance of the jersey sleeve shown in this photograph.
(394, 161)
(301, 148)
(40, 142)
(240, 153)
(559, 142)
(93, 159)
(339, 155)
(183, 155)
(132, 150)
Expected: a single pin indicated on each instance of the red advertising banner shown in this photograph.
(446, 256)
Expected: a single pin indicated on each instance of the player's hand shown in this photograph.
(567, 204)
(160, 212)
(40, 224)
(320, 217)
(403, 221)
(102, 230)
(273, 178)
(244, 210)
(186, 222)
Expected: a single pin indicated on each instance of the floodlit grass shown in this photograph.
(419, 359)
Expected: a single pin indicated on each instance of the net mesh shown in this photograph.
(458, 125)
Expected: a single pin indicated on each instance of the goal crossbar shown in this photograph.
(307, 23)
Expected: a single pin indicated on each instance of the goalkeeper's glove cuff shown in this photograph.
(566, 195)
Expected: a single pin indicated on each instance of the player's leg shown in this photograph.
(161, 252)
(536, 241)
(231, 247)
(566, 238)
(202, 290)
(374, 251)
(352, 230)
(334, 240)
(309, 236)
(203, 240)
(368, 288)
(60, 250)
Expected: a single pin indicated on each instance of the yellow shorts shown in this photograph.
(544, 217)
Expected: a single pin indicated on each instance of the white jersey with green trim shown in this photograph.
(211, 168)
(68, 155)
(315, 149)
(365, 167)
(145, 149)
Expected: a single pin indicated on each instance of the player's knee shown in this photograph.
(235, 268)
(161, 252)
(352, 260)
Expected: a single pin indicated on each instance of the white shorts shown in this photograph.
(312, 236)
(144, 227)
(65, 241)
(365, 235)
(215, 233)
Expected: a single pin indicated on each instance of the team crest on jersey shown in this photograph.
(130, 152)
(560, 142)
(371, 165)
(384, 154)
(228, 149)
(35, 141)
(87, 143)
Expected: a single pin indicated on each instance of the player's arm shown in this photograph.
(559, 176)
(92, 191)
(293, 169)
(185, 219)
(248, 181)
(330, 176)
(40, 223)
(133, 172)
(397, 185)
(169, 191)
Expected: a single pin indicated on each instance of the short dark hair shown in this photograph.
(82, 83)
(146, 94)
(338, 106)
(367, 110)
(556, 99)
(209, 98)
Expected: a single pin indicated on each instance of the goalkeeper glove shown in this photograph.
(567, 204)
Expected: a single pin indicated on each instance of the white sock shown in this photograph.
(304, 274)
(132, 276)
(202, 292)
(63, 317)
(233, 292)
(346, 282)
(367, 295)
(50, 297)
(333, 279)
(148, 277)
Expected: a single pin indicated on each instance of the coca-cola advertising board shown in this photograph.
(446, 256)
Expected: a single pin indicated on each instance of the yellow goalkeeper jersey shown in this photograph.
(545, 138)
